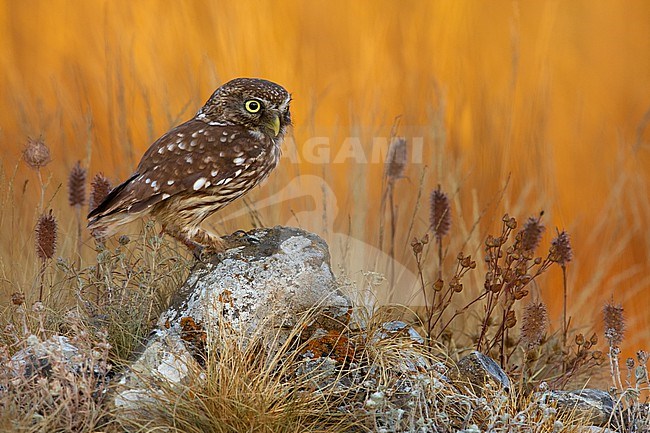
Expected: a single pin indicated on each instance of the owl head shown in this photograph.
(259, 105)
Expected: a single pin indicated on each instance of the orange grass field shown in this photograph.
(510, 106)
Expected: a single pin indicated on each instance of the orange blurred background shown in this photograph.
(546, 101)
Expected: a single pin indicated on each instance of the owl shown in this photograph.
(200, 166)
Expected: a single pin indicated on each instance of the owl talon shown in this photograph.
(252, 239)
(199, 253)
(241, 234)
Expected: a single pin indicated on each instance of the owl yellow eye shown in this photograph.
(253, 106)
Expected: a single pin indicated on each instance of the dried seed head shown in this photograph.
(561, 252)
(614, 323)
(99, 189)
(511, 319)
(531, 234)
(395, 164)
(534, 325)
(18, 298)
(416, 245)
(440, 216)
(77, 185)
(642, 357)
(46, 232)
(36, 154)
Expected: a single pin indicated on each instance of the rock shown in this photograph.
(479, 370)
(56, 366)
(332, 358)
(274, 280)
(268, 281)
(397, 328)
(40, 357)
(593, 429)
(37, 358)
(593, 405)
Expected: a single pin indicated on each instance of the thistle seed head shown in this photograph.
(46, 233)
(531, 234)
(77, 185)
(396, 159)
(561, 252)
(440, 216)
(614, 323)
(36, 154)
(100, 186)
(535, 321)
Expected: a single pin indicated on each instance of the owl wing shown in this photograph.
(192, 156)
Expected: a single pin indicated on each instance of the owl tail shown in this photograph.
(111, 211)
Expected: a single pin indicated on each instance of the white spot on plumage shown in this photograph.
(238, 161)
(222, 154)
(182, 145)
(180, 135)
(237, 173)
(193, 143)
(147, 181)
(195, 134)
(214, 173)
(188, 159)
(165, 196)
(223, 139)
(225, 132)
(199, 183)
(171, 146)
(154, 184)
(170, 182)
(161, 150)
(215, 123)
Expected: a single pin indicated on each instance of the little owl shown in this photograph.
(200, 166)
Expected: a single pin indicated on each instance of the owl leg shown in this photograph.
(210, 241)
(200, 242)
(182, 237)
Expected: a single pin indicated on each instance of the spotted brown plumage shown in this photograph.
(200, 166)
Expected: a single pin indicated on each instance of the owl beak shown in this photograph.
(274, 124)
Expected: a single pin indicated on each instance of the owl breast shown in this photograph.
(228, 173)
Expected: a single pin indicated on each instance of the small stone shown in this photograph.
(593, 405)
(479, 370)
(397, 328)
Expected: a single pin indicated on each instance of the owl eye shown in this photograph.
(253, 106)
